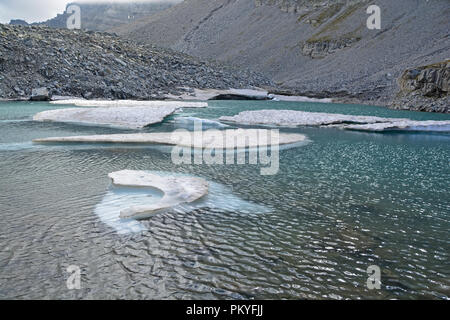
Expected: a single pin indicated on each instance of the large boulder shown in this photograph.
(425, 88)
(40, 94)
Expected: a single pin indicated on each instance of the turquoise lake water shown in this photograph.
(340, 203)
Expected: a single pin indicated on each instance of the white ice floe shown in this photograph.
(120, 117)
(292, 118)
(212, 139)
(120, 199)
(126, 114)
(176, 190)
(119, 114)
(278, 97)
(298, 118)
(410, 125)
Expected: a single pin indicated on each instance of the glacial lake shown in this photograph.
(340, 203)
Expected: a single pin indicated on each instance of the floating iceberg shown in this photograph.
(121, 114)
(120, 117)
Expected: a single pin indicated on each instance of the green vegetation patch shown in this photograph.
(334, 24)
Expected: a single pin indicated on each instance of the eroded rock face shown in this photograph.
(177, 190)
(425, 88)
(321, 48)
(296, 6)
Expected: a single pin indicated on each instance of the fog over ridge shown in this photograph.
(38, 11)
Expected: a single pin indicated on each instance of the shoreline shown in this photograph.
(314, 98)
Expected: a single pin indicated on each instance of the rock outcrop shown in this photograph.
(317, 49)
(425, 88)
(98, 65)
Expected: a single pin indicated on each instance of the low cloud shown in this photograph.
(37, 11)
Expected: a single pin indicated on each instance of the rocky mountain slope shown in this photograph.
(318, 48)
(106, 15)
(99, 65)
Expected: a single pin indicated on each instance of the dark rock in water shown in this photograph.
(40, 94)
(238, 97)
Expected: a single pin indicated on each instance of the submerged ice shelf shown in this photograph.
(121, 198)
(176, 190)
(190, 123)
